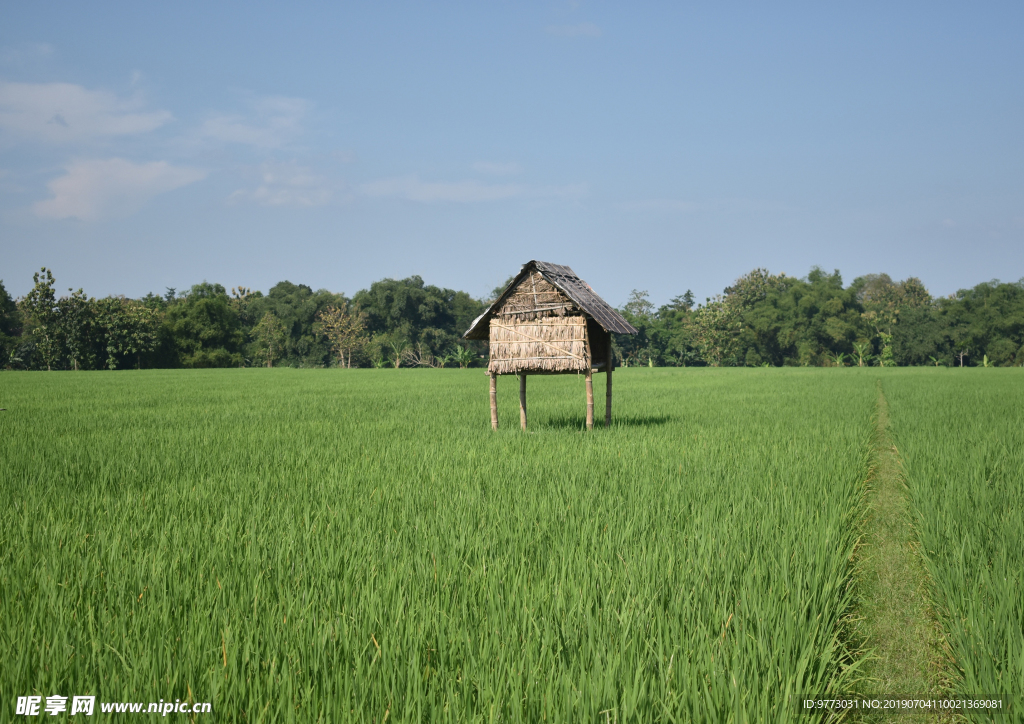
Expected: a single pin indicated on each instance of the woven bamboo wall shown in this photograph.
(535, 298)
(544, 344)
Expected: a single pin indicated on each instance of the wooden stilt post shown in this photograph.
(522, 400)
(494, 401)
(609, 365)
(590, 399)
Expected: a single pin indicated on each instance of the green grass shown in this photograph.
(355, 545)
(962, 442)
(895, 621)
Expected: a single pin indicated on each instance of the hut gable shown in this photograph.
(534, 297)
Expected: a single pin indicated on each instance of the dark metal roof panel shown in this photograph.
(580, 292)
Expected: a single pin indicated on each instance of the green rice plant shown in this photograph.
(962, 442)
(357, 545)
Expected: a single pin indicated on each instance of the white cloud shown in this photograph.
(580, 30)
(287, 184)
(273, 122)
(63, 112)
(497, 169)
(92, 189)
(412, 189)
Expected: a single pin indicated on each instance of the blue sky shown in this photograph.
(659, 146)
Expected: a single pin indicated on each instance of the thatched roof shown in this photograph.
(565, 280)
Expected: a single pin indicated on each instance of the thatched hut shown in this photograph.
(549, 321)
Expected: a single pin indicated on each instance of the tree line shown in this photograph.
(762, 319)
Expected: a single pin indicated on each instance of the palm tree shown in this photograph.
(399, 351)
(464, 356)
(861, 348)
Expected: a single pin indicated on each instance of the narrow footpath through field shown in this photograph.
(896, 621)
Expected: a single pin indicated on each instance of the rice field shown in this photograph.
(357, 545)
(962, 443)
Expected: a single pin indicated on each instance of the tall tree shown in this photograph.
(245, 303)
(343, 330)
(40, 305)
(681, 303)
(296, 306)
(758, 299)
(203, 328)
(790, 321)
(755, 287)
(986, 320)
(415, 314)
(129, 327)
(76, 320)
(671, 334)
(716, 326)
(10, 325)
(644, 347)
(270, 336)
(884, 302)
